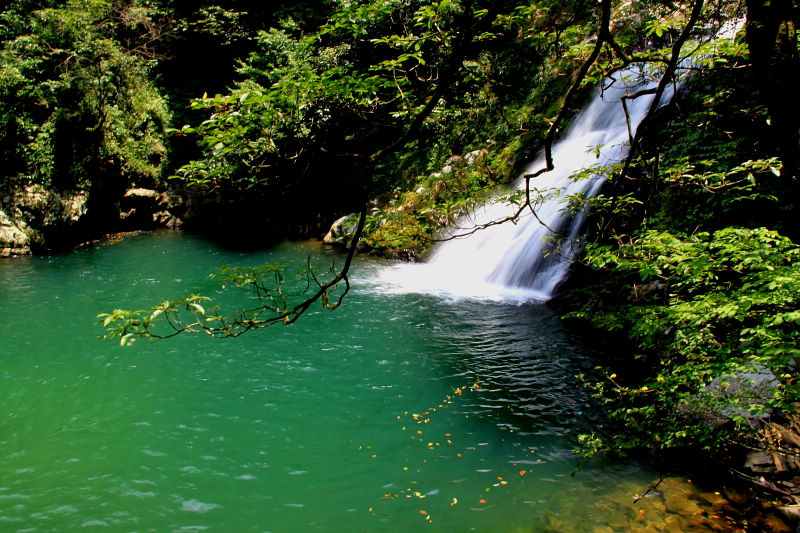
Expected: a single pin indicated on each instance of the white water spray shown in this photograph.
(515, 261)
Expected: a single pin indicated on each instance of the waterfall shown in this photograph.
(515, 261)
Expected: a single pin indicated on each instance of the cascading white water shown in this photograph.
(514, 261)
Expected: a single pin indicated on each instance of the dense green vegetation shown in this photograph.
(307, 112)
(688, 264)
(76, 105)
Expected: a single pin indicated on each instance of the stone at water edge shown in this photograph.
(342, 230)
(148, 209)
(13, 241)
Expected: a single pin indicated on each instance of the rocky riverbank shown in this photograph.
(34, 219)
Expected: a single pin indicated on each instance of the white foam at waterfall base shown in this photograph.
(515, 262)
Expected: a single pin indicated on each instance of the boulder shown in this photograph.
(342, 230)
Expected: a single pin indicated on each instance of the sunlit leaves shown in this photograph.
(741, 183)
(704, 306)
(74, 102)
(129, 326)
(270, 299)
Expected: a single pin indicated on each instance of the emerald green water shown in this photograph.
(303, 428)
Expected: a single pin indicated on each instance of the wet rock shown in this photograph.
(409, 256)
(148, 209)
(679, 497)
(791, 512)
(13, 240)
(675, 523)
(34, 215)
(735, 497)
(554, 524)
(342, 230)
(759, 462)
(711, 498)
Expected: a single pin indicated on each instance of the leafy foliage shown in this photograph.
(714, 317)
(74, 103)
(683, 268)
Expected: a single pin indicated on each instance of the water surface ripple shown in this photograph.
(394, 413)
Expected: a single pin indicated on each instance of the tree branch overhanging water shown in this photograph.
(274, 306)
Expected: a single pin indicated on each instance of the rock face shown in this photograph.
(13, 240)
(144, 209)
(34, 218)
(30, 213)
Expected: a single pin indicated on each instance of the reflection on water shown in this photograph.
(394, 413)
